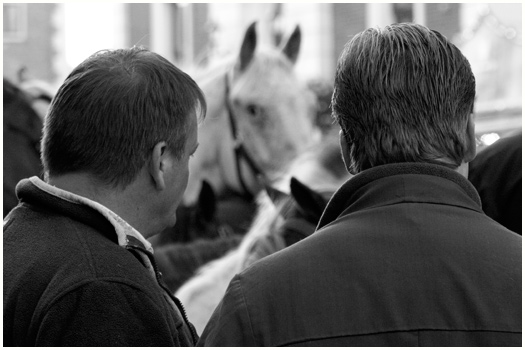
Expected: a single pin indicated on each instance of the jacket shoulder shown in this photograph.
(104, 312)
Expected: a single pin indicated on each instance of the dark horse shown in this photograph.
(22, 132)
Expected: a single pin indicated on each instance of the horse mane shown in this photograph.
(266, 220)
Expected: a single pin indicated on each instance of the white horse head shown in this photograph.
(260, 117)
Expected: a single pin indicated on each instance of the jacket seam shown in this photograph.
(418, 202)
(397, 331)
(44, 309)
(250, 323)
(86, 251)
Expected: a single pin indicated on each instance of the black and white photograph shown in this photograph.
(262, 174)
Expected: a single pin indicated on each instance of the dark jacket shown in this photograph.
(68, 282)
(403, 256)
(496, 174)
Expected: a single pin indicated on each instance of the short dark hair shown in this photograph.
(113, 109)
(403, 94)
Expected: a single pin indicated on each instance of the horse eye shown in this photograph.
(253, 110)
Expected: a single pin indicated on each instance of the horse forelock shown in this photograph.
(271, 66)
(268, 58)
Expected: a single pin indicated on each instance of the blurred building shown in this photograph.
(44, 41)
(28, 41)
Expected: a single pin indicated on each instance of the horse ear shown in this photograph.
(275, 195)
(207, 202)
(292, 45)
(310, 202)
(248, 47)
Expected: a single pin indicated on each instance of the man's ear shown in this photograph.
(157, 164)
(470, 154)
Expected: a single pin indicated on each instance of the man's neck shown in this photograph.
(463, 169)
(126, 203)
(78, 183)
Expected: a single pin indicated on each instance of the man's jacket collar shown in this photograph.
(36, 189)
(350, 192)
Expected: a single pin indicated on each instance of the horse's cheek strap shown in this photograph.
(240, 150)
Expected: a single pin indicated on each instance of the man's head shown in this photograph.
(111, 111)
(404, 94)
(123, 113)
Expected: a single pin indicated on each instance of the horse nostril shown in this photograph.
(253, 110)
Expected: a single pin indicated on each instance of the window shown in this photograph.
(15, 23)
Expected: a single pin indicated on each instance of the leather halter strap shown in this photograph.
(239, 148)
